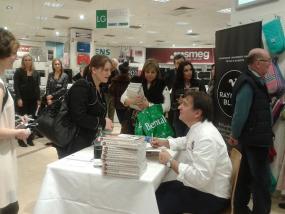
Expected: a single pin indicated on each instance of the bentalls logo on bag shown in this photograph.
(152, 125)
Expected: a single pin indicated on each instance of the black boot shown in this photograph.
(30, 140)
(282, 205)
(22, 143)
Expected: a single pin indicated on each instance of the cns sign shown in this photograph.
(103, 51)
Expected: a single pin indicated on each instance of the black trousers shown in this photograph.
(254, 178)
(10, 209)
(173, 198)
(29, 107)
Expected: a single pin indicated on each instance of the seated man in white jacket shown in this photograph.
(203, 178)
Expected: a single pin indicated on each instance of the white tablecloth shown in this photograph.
(73, 186)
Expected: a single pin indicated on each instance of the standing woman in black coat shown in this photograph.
(56, 83)
(27, 90)
(184, 81)
(87, 105)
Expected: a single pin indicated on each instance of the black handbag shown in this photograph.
(56, 125)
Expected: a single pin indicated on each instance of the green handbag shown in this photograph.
(151, 122)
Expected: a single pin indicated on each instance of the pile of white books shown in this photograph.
(123, 157)
(133, 91)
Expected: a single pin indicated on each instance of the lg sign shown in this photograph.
(195, 54)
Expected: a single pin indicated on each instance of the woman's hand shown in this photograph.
(49, 97)
(49, 102)
(22, 134)
(20, 103)
(109, 124)
(142, 103)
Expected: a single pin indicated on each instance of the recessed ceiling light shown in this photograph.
(151, 32)
(225, 10)
(189, 31)
(57, 33)
(5, 27)
(81, 17)
(9, 7)
(161, 1)
(42, 18)
(140, 42)
(194, 44)
(53, 4)
(182, 23)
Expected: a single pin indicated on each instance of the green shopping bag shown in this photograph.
(151, 122)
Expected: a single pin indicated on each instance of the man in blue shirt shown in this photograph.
(252, 130)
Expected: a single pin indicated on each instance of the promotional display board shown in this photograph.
(195, 55)
(232, 47)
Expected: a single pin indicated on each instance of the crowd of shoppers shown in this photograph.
(203, 175)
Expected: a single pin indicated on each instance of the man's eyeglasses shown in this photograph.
(265, 60)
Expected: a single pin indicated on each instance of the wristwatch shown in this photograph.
(168, 163)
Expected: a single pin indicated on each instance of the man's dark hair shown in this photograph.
(178, 56)
(203, 102)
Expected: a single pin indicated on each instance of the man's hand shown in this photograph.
(232, 141)
(159, 143)
(164, 156)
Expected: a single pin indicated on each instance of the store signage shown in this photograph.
(103, 51)
(83, 59)
(101, 18)
(195, 55)
(83, 47)
(117, 18)
(24, 48)
(224, 91)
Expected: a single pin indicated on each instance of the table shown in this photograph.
(73, 186)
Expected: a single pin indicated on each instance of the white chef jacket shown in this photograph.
(206, 165)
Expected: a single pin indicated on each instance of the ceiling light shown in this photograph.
(225, 10)
(9, 7)
(6, 28)
(42, 18)
(173, 45)
(141, 42)
(151, 32)
(57, 33)
(53, 4)
(189, 31)
(81, 17)
(182, 23)
(161, 1)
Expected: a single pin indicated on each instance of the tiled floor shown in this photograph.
(32, 163)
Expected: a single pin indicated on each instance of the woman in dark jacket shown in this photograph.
(27, 91)
(154, 88)
(87, 106)
(118, 86)
(56, 83)
(184, 81)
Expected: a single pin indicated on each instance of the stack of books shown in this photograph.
(135, 90)
(123, 157)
